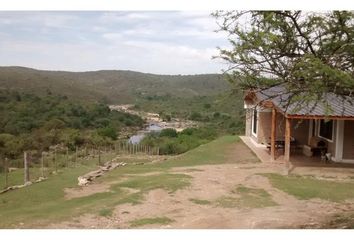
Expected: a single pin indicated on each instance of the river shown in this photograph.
(155, 123)
(139, 136)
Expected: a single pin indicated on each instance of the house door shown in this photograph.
(348, 140)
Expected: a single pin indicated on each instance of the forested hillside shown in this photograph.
(32, 122)
(40, 109)
(109, 86)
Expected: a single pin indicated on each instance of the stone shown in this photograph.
(89, 177)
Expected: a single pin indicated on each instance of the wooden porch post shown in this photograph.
(273, 135)
(287, 144)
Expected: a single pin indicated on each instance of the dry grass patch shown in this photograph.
(200, 201)
(150, 221)
(245, 197)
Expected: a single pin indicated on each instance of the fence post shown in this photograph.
(99, 156)
(6, 170)
(55, 160)
(25, 166)
(75, 155)
(42, 165)
(67, 157)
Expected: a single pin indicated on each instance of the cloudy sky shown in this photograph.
(155, 42)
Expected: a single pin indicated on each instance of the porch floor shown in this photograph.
(297, 159)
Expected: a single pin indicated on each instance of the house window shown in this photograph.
(326, 129)
(254, 122)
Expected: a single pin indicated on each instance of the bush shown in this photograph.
(196, 116)
(108, 132)
(207, 105)
(171, 142)
(166, 117)
(54, 124)
(216, 115)
(169, 132)
(188, 131)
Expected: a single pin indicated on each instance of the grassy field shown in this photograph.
(303, 187)
(16, 176)
(149, 221)
(45, 202)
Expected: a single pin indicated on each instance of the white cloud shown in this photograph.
(112, 36)
(156, 42)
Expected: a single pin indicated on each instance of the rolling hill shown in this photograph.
(111, 86)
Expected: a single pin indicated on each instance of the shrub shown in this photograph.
(168, 132)
(207, 105)
(108, 132)
(54, 124)
(196, 116)
(188, 131)
(166, 117)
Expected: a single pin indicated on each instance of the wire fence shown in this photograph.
(35, 165)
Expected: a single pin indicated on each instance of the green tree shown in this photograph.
(310, 54)
(10, 145)
(168, 132)
(196, 116)
(108, 132)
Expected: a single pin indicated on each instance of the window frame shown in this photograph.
(254, 114)
(319, 130)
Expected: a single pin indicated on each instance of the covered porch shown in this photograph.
(300, 139)
(284, 131)
(296, 159)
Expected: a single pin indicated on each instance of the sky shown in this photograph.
(165, 42)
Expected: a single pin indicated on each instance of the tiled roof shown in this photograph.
(339, 106)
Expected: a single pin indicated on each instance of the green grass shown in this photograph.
(214, 152)
(308, 187)
(150, 221)
(40, 200)
(16, 177)
(43, 203)
(105, 212)
(200, 201)
(246, 198)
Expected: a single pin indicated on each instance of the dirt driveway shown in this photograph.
(200, 205)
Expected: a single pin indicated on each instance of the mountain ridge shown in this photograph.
(113, 86)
